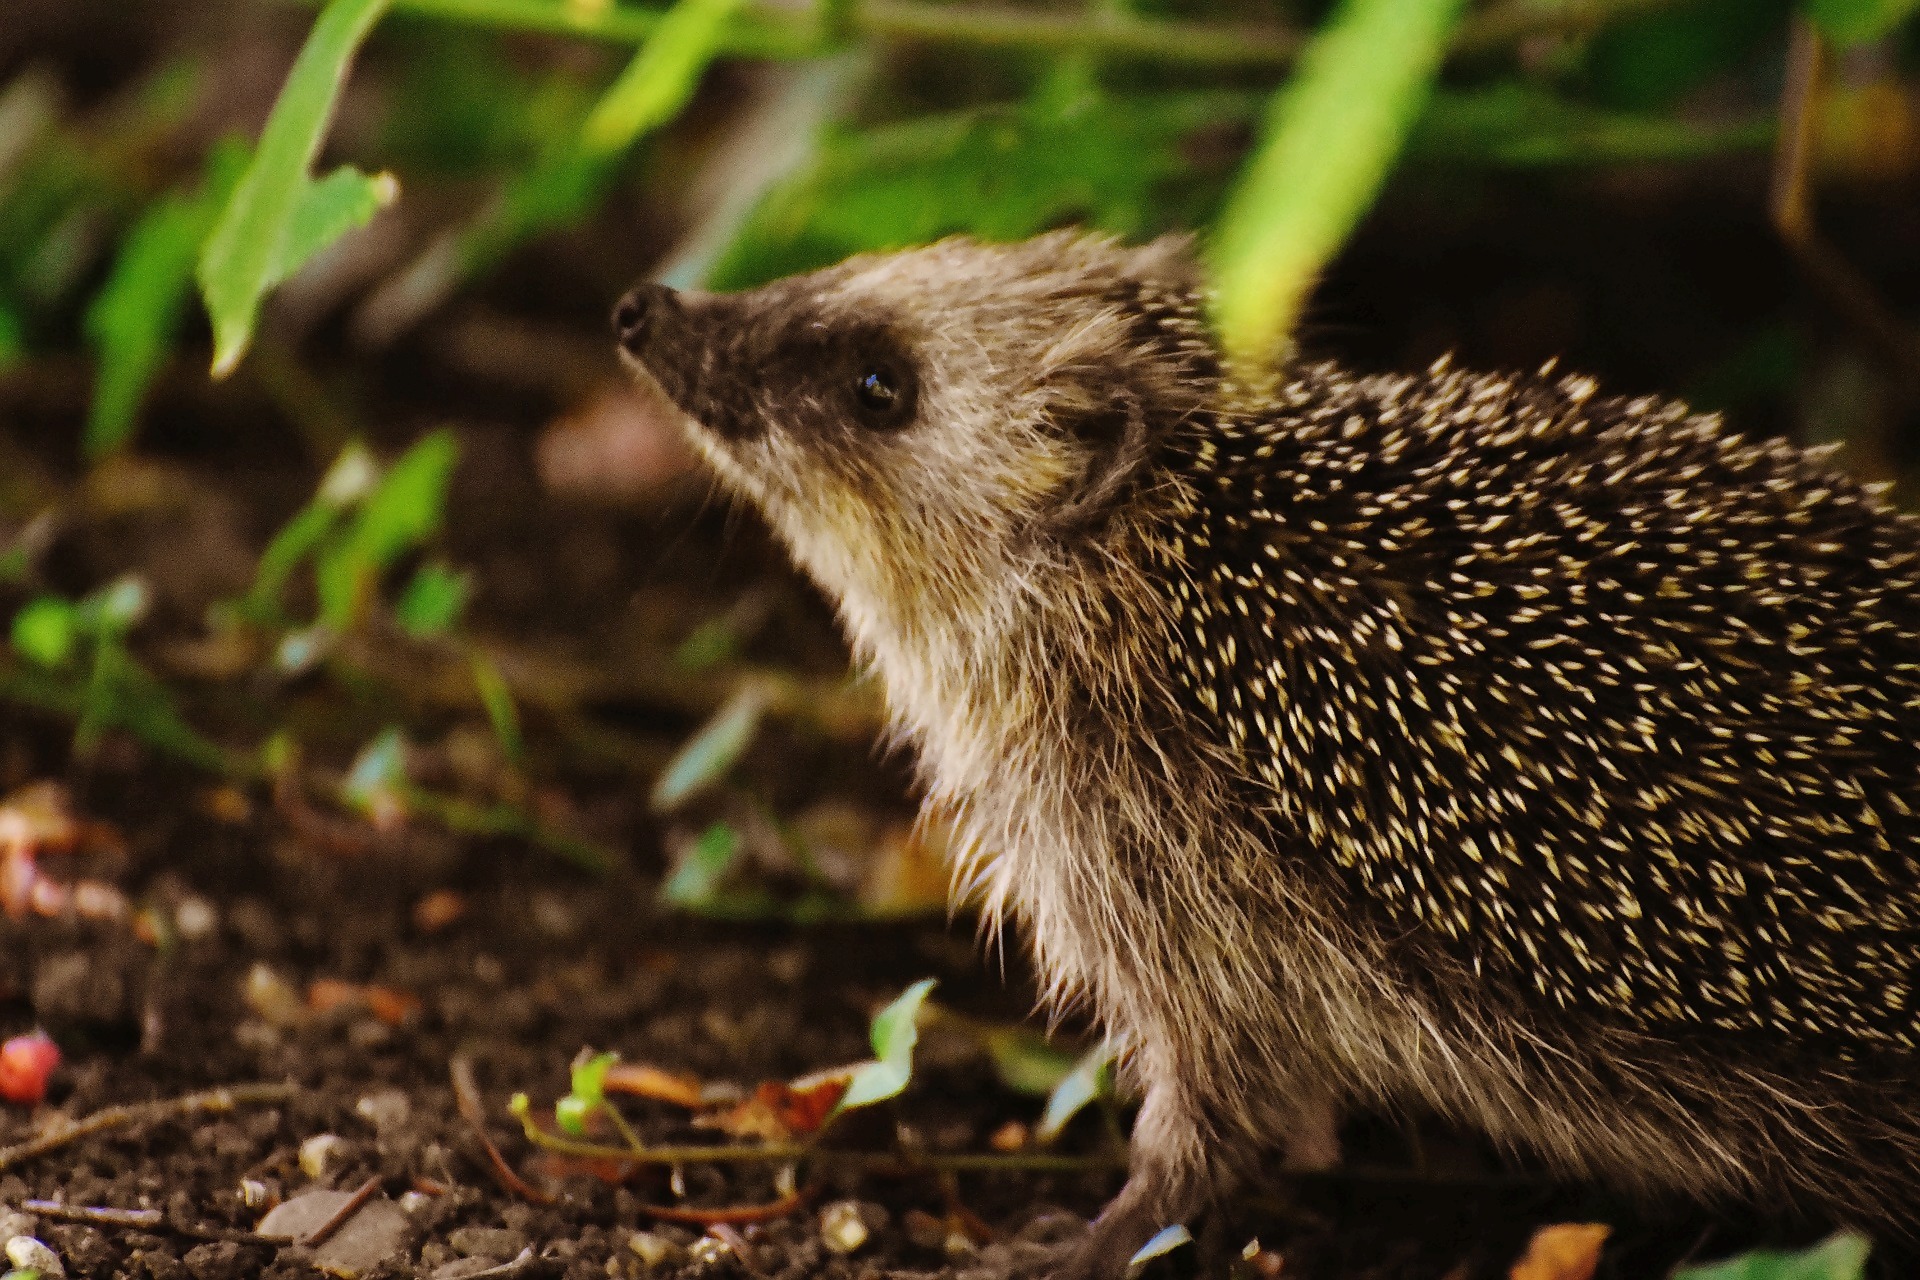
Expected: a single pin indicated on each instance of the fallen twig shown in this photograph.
(781, 1152)
(357, 1201)
(212, 1101)
(146, 1220)
(731, 1215)
(466, 1097)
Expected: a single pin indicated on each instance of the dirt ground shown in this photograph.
(273, 938)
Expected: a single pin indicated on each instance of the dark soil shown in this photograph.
(1655, 282)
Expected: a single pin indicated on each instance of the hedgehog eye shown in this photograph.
(883, 394)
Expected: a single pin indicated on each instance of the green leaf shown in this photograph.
(1651, 61)
(132, 320)
(713, 643)
(895, 1032)
(295, 541)
(13, 337)
(661, 77)
(695, 883)
(1854, 21)
(114, 608)
(405, 509)
(588, 1093)
(1026, 1061)
(1840, 1257)
(1330, 140)
(380, 769)
(589, 1079)
(253, 240)
(707, 756)
(1516, 125)
(497, 699)
(1122, 165)
(569, 176)
(1165, 1241)
(328, 209)
(44, 631)
(1090, 1079)
(433, 601)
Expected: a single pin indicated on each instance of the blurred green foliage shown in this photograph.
(1272, 170)
(1844, 1257)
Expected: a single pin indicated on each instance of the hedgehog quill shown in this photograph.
(1468, 744)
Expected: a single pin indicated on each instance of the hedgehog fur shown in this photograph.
(1466, 744)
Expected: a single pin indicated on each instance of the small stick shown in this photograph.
(212, 1101)
(732, 1215)
(1790, 206)
(357, 1201)
(96, 1215)
(466, 1096)
(738, 1243)
(145, 1220)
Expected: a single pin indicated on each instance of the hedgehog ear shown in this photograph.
(1114, 435)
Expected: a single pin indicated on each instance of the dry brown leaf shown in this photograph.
(642, 1081)
(1563, 1251)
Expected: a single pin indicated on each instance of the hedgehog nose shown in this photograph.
(638, 311)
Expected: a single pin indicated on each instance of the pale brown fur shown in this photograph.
(1007, 578)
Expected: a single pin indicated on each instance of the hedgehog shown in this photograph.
(1440, 743)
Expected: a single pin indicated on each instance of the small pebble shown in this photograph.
(255, 1194)
(494, 1242)
(321, 1153)
(28, 1254)
(843, 1228)
(273, 997)
(385, 1110)
(708, 1251)
(194, 918)
(654, 1250)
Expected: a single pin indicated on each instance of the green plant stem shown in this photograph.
(787, 1152)
(770, 33)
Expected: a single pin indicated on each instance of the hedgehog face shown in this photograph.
(924, 423)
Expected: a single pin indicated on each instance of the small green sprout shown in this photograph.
(1090, 1080)
(1165, 1241)
(588, 1093)
(716, 748)
(1839, 1257)
(895, 1033)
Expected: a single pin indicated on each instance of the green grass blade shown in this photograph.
(1840, 1257)
(132, 319)
(661, 77)
(1853, 21)
(328, 209)
(249, 244)
(1330, 139)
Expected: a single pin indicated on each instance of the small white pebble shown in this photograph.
(320, 1153)
(655, 1251)
(387, 1109)
(14, 1223)
(195, 918)
(254, 1193)
(707, 1251)
(273, 998)
(412, 1202)
(28, 1254)
(842, 1227)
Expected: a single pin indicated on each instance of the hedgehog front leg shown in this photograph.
(1170, 1179)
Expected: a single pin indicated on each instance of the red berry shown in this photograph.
(25, 1063)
